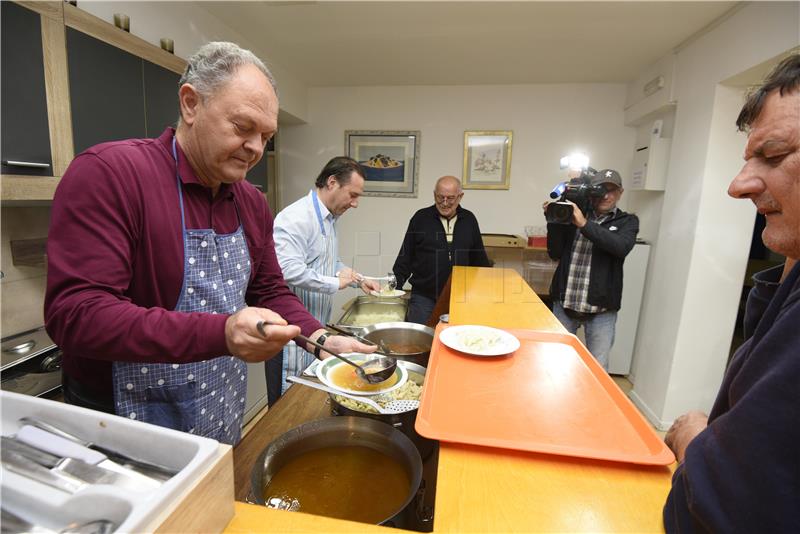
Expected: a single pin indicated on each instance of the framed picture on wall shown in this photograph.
(487, 159)
(390, 159)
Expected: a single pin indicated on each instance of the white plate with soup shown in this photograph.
(336, 374)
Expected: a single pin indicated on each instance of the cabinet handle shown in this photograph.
(32, 164)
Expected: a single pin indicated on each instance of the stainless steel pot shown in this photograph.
(404, 422)
(401, 333)
(334, 432)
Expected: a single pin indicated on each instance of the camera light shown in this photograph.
(577, 161)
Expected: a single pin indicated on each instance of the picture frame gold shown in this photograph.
(487, 159)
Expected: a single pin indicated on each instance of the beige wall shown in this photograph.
(548, 121)
(698, 264)
(22, 287)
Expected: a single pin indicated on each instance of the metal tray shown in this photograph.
(367, 310)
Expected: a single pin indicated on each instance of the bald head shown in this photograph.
(447, 195)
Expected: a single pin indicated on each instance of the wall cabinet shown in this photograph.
(160, 97)
(70, 81)
(106, 92)
(127, 96)
(93, 83)
(25, 133)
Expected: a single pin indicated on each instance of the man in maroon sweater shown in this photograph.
(161, 260)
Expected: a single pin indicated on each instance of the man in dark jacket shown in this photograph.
(437, 238)
(587, 284)
(739, 467)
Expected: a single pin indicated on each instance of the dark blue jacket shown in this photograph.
(742, 473)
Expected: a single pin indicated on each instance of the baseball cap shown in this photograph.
(607, 176)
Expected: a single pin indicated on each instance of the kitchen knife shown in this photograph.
(22, 466)
(63, 448)
(151, 469)
(78, 469)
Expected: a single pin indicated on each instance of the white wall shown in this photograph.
(701, 251)
(190, 26)
(548, 121)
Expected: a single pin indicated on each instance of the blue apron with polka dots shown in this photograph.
(205, 398)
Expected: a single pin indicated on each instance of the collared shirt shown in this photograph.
(299, 241)
(576, 293)
(115, 260)
(449, 225)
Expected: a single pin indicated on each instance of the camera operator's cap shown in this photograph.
(607, 176)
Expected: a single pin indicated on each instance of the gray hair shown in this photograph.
(214, 63)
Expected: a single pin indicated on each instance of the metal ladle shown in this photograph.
(374, 371)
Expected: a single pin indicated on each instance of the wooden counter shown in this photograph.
(482, 489)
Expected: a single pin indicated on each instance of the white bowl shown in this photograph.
(325, 368)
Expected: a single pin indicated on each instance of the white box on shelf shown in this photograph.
(650, 165)
(196, 459)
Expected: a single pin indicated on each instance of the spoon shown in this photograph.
(374, 371)
(392, 407)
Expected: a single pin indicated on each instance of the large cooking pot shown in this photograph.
(398, 334)
(334, 432)
(404, 421)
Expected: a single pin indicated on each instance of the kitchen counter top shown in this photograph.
(482, 489)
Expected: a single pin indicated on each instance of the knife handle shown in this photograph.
(57, 445)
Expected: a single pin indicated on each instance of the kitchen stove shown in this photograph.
(31, 364)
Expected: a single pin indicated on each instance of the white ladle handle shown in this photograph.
(322, 387)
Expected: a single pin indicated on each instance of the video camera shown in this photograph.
(580, 191)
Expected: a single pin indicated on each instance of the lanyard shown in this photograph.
(319, 213)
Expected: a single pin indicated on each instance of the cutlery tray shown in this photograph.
(172, 506)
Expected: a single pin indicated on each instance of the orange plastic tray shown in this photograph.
(549, 396)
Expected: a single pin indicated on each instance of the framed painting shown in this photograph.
(390, 159)
(487, 159)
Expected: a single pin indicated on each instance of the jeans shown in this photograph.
(598, 328)
(419, 308)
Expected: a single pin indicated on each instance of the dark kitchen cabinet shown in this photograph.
(106, 92)
(258, 174)
(160, 98)
(25, 136)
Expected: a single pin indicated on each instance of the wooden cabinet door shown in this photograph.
(25, 136)
(106, 92)
(160, 98)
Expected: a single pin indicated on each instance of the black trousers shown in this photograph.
(79, 395)
(273, 370)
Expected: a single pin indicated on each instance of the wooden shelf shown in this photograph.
(28, 188)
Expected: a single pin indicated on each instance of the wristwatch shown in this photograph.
(321, 341)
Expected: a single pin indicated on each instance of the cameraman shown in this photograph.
(587, 284)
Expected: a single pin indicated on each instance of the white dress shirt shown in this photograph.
(299, 243)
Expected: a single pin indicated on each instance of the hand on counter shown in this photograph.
(246, 343)
(683, 431)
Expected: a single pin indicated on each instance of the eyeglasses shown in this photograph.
(441, 199)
